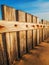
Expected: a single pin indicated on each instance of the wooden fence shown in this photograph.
(19, 33)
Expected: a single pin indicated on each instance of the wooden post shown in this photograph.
(38, 33)
(21, 16)
(48, 30)
(34, 32)
(44, 30)
(11, 38)
(29, 33)
(3, 55)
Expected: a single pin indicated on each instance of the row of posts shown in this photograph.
(15, 44)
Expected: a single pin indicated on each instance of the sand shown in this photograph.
(37, 56)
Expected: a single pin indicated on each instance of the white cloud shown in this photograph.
(42, 10)
(44, 15)
(38, 8)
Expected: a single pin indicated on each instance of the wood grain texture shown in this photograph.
(9, 15)
(47, 29)
(44, 30)
(38, 38)
(3, 56)
(29, 33)
(17, 26)
(40, 34)
(34, 32)
(17, 41)
(22, 34)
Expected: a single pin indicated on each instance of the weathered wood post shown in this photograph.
(29, 33)
(40, 34)
(48, 29)
(21, 37)
(34, 32)
(44, 30)
(8, 14)
(3, 51)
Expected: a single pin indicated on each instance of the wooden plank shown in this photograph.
(9, 15)
(41, 34)
(47, 29)
(22, 34)
(44, 30)
(29, 33)
(3, 51)
(16, 26)
(34, 32)
(38, 38)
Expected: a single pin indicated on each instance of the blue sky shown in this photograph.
(38, 8)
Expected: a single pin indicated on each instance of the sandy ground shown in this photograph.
(38, 56)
